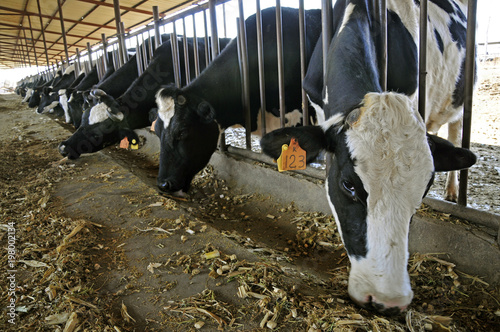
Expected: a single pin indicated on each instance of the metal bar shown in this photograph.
(26, 44)
(152, 41)
(62, 63)
(105, 51)
(224, 19)
(100, 73)
(245, 75)
(124, 48)
(381, 23)
(89, 54)
(303, 64)
(43, 32)
(422, 60)
(281, 70)
(144, 51)
(207, 52)
(213, 28)
(116, 5)
(175, 58)
(470, 63)
(78, 65)
(61, 18)
(326, 19)
(195, 50)
(260, 61)
(138, 56)
(186, 52)
(156, 18)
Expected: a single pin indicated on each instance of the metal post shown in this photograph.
(62, 64)
(422, 60)
(144, 51)
(195, 50)
(100, 72)
(77, 62)
(207, 52)
(124, 48)
(121, 44)
(138, 56)
(326, 20)
(116, 58)
(213, 28)
(244, 70)
(26, 44)
(381, 24)
(224, 19)
(260, 59)
(156, 18)
(150, 44)
(281, 71)
(63, 31)
(175, 57)
(186, 52)
(303, 64)
(470, 63)
(105, 51)
(43, 32)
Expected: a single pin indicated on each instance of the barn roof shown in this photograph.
(22, 22)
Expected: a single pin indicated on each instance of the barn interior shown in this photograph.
(94, 245)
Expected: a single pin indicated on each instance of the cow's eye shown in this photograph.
(349, 189)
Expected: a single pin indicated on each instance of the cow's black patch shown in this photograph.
(439, 41)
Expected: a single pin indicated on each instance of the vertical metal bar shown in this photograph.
(77, 62)
(260, 61)
(281, 70)
(114, 55)
(150, 44)
(89, 53)
(156, 18)
(100, 73)
(138, 56)
(186, 52)
(105, 51)
(124, 48)
(470, 63)
(422, 60)
(43, 32)
(33, 42)
(195, 50)
(213, 28)
(62, 64)
(224, 19)
(303, 64)
(207, 52)
(121, 44)
(326, 20)
(63, 31)
(144, 51)
(381, 23)
(175, 57)
(244, 70)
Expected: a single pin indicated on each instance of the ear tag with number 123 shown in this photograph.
(292, 158)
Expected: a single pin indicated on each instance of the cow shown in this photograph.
(49, 97)
(37, 90)
(190, 119)
(381, 160)
(110, 120)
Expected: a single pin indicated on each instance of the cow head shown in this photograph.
(188, 134)
(48, 100)
(75, 107)
(103, 123)
(381, 164)
(35, 97)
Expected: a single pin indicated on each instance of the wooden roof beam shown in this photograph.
(51, 32)
(130, 9)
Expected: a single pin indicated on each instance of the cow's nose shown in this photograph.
(62, 150)
(389, 308)
(66, 151)
(164, 185)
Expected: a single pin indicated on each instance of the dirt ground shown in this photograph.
(98, 249)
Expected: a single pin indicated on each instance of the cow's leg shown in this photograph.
(455, 137)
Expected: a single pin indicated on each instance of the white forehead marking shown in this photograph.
(69, 70)
(347, 15)
(166, 108)
(98, 113)
(50, 108)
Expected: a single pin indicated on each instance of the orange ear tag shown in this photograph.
(292, 158)
(124, 143)
(134, 145)
(153, 126)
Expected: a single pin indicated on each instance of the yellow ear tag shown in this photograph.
(124, 143)
(292, 158)
(153, 126)
(134, 145)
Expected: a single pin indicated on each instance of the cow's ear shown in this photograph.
(447, 157)
(206, 112)
(310, 138)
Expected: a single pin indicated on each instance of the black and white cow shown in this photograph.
(49, 96)
(189, 119)
(35, 96)
(108, 120)
(381, 160)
